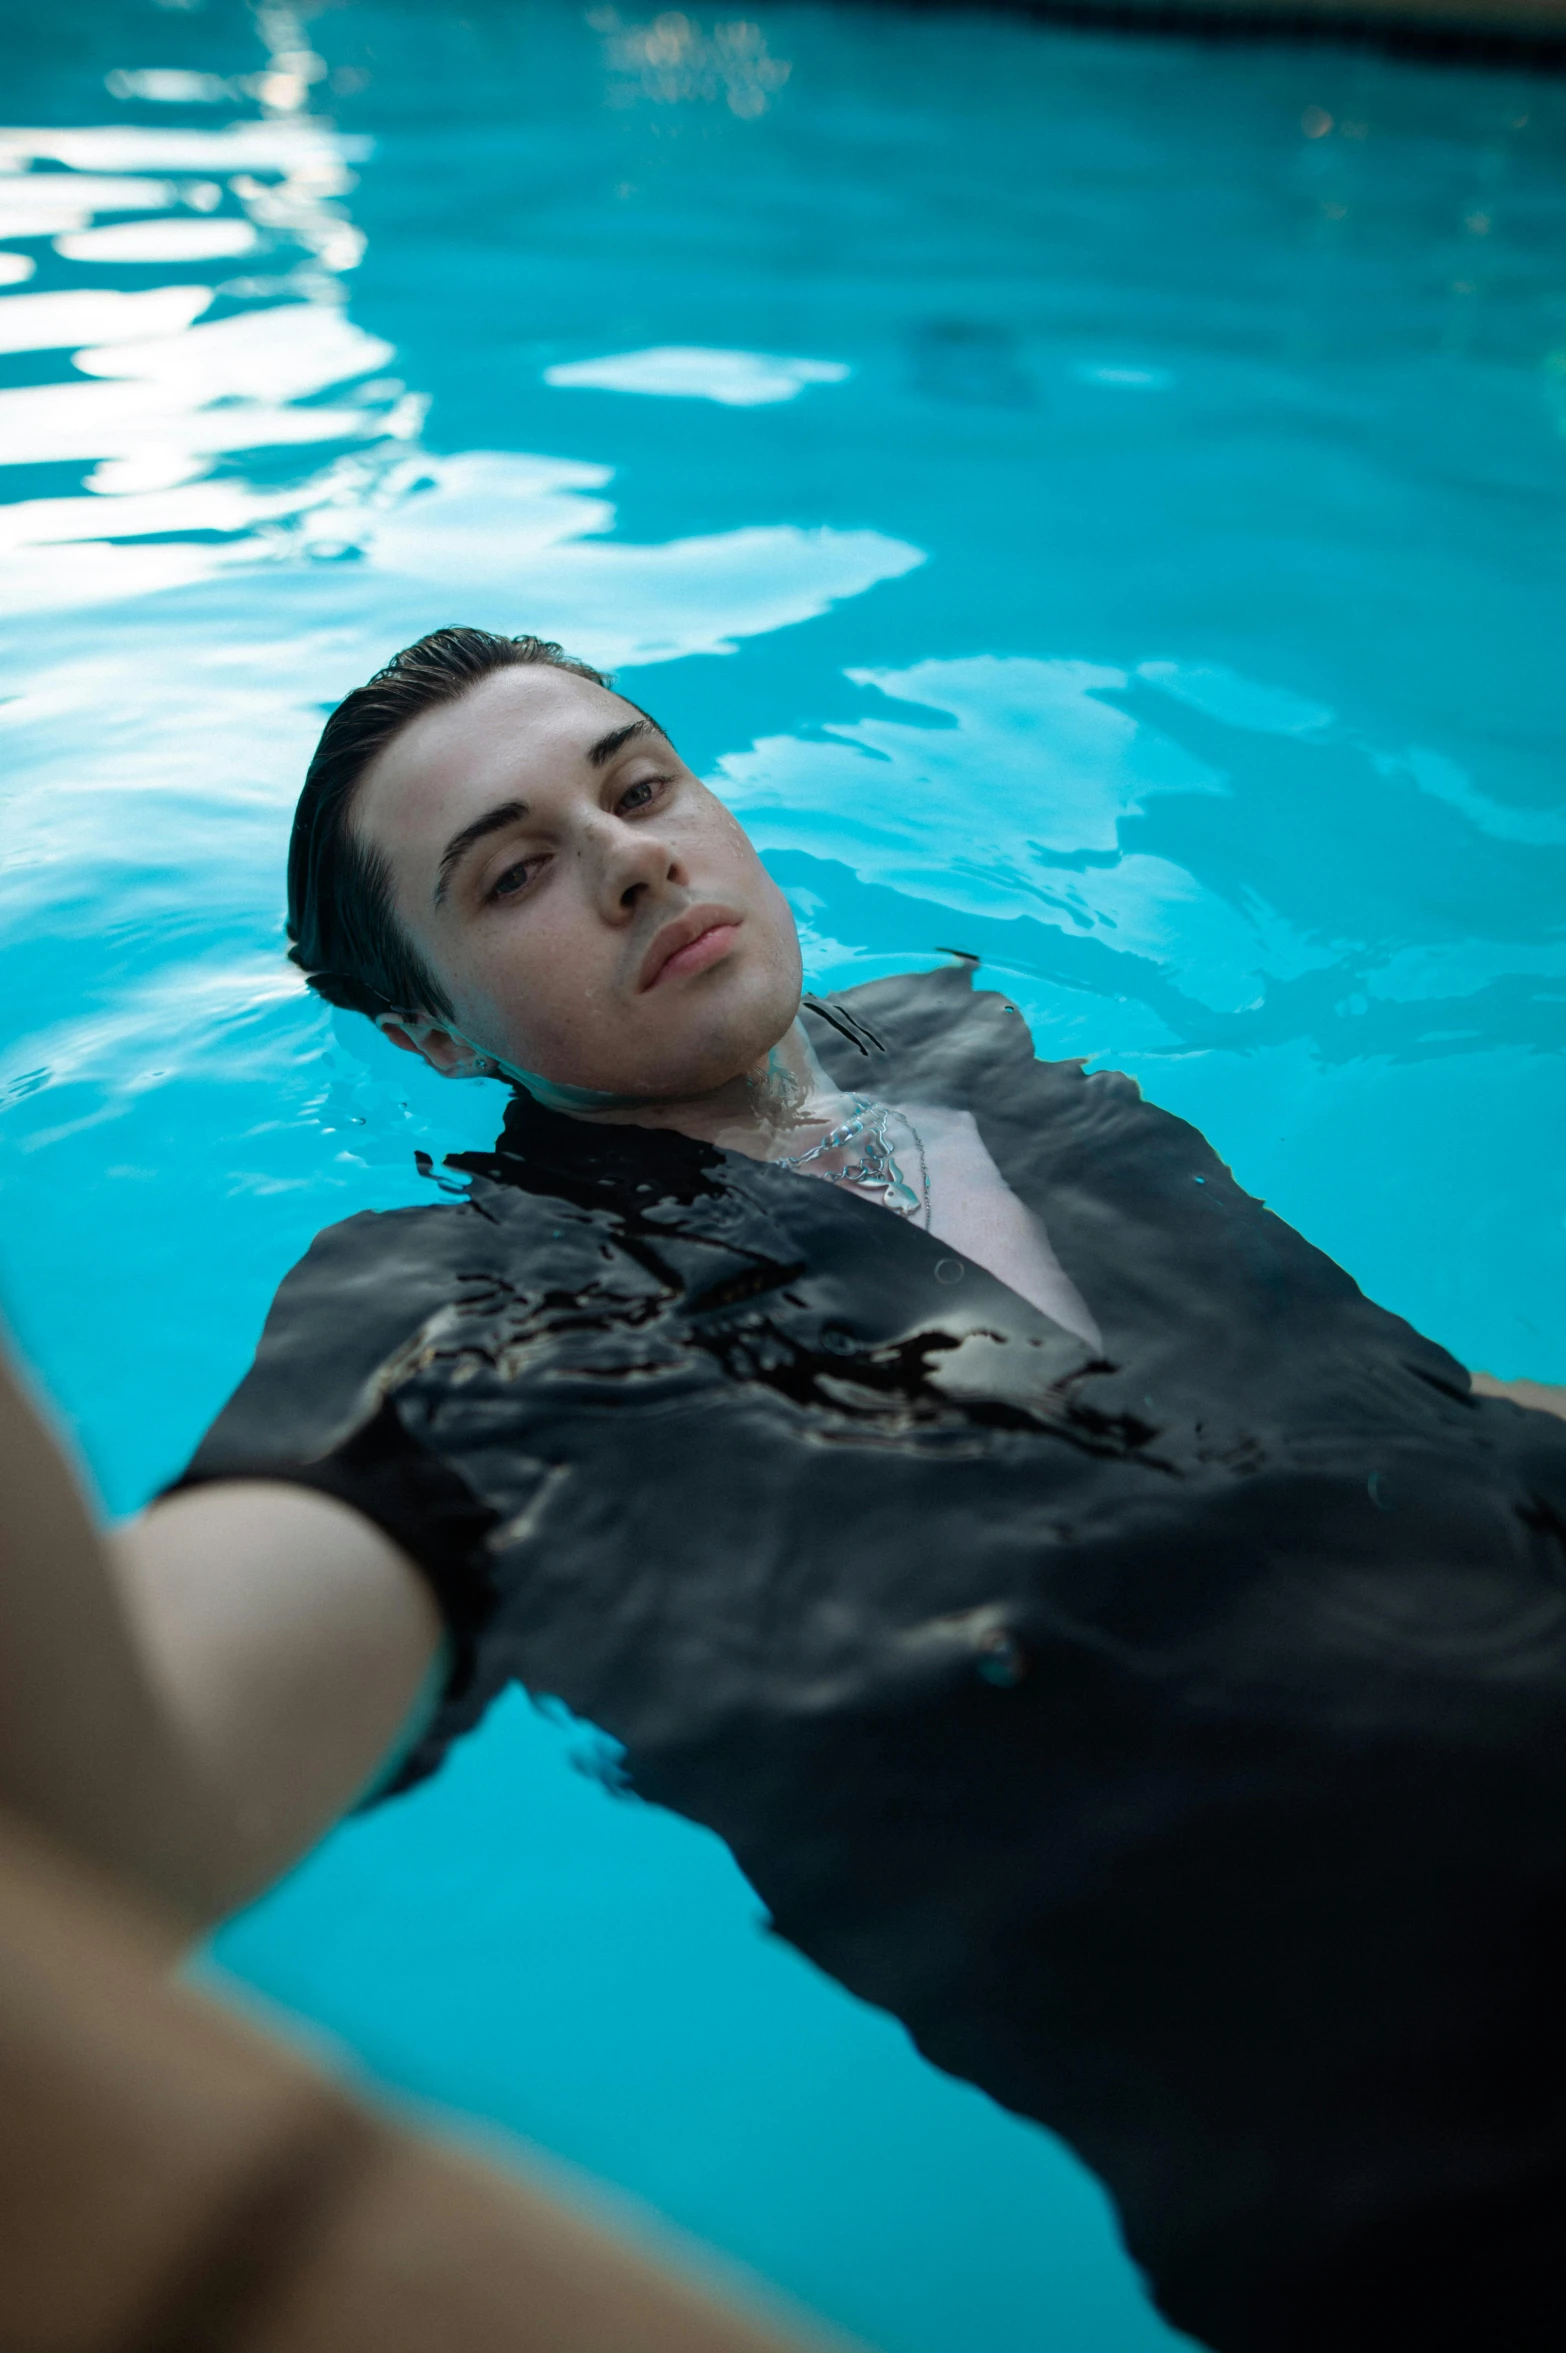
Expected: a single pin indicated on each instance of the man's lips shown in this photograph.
(689, 944)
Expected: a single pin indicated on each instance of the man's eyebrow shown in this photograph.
(607, 745)
(460, 843)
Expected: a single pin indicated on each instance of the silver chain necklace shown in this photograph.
(873, 1167)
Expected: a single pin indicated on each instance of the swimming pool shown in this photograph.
(1095, 503)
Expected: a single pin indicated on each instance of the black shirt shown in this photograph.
(1174, 1739)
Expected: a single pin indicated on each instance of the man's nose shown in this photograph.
(635, 862)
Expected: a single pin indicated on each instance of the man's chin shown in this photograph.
(733, 1038)
(705, 1048)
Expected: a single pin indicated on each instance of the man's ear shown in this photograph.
(441, 1048)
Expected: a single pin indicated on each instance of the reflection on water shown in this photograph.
(167, 398)
(1095, 504)
(739, 379)
(1066, 767)
(176, 390)
(672, 61)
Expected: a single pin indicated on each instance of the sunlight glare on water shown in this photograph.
(1095, 502)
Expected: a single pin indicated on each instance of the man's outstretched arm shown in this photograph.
(170, 2177)
(194, 1699)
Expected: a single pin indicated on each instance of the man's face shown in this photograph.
(593, 912)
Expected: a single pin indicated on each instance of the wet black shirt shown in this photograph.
(1174, 1739)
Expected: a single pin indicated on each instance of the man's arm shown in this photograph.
(170, 2177)
(286, 1642)
(1539, 1396)
(195, 1699)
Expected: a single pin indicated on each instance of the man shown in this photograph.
(1105, 1638)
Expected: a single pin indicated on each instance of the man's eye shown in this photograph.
(637, 796)
(507, 885)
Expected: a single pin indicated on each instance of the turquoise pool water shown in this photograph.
(1094, 502)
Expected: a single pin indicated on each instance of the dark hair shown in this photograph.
(342, 927)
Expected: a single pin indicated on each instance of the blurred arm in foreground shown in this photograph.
(170, 2177)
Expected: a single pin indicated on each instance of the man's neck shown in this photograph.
(783, 1105)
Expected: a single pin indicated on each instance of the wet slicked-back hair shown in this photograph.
(342, 926)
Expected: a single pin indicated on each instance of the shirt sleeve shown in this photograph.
(318, 1407)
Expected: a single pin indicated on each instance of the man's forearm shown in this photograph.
(172, 2178)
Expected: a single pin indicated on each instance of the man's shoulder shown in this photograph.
(938, 1038)
(379, 1245)
(363, 1288)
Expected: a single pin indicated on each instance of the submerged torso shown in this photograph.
(1167, 1721)
(974, 1209)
